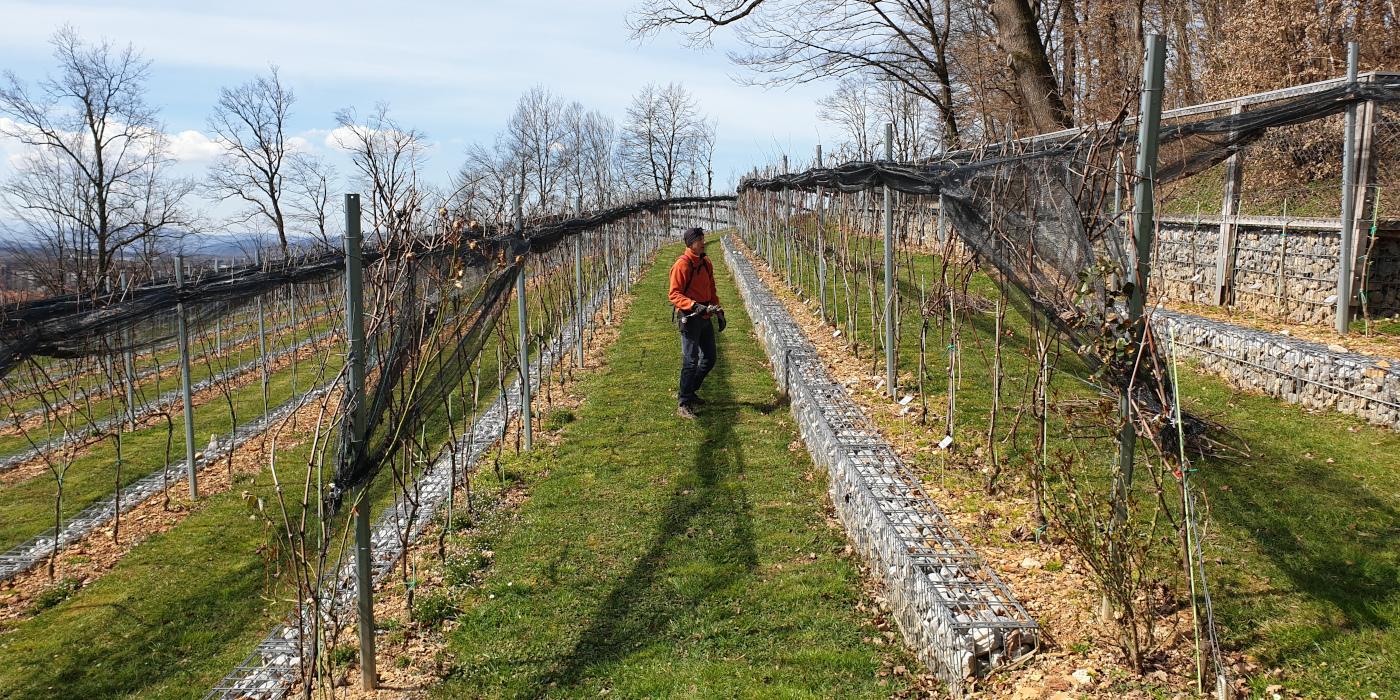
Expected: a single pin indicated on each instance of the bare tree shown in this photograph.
(250, 121)
(538, 133)
(849, 109)
(92, 185)
(490, 176)
(309, 189)
(599, 153)
(800, 41)
(861, 108)
(551, 153)
(387, 157)
(663, 136)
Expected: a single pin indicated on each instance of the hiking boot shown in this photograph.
(685, 412)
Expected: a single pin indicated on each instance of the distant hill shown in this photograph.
(196, 245)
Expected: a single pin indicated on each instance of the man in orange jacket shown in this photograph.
(695, 298)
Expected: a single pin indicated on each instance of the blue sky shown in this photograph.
(451, 69)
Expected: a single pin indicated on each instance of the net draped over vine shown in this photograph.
(432, 301)
(1040, 212)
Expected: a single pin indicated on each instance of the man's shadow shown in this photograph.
(707, 520)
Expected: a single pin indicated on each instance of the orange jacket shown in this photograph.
(692, 282)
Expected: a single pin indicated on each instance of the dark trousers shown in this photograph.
(697, 356)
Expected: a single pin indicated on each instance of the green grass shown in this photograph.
(1303, 553)
(114, 403)
(659, 558)
(920, 273)
(29, 504)
(180, 610)
(1377, 326)
(176, 612)
(1203, 194)
(185, 606)
(1307, 537)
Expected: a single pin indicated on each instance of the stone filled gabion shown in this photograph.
(1297, 371)
(1291, 275)
(953, 611)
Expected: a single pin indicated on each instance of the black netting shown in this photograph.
(439, 306)
(432, 301)
(1037, 211)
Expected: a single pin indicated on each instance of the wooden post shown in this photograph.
(1365, 196)
(1228, 240)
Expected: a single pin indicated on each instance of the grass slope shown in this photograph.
(665, 558)
(1303, 543)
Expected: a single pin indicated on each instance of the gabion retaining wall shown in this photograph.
(1297, 371)
(1291, 275)
(954, 612)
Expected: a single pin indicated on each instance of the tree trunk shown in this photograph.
(1019, 38)
(1069, 56)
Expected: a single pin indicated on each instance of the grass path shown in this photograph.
(657, 557)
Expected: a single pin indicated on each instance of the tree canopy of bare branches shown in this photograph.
(664, 136)
(387, 157)
(92, 184)
(986, 66)
(250, 122)
(554, 154)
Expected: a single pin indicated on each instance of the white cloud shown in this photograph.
(452, 69)
(341, 137)
(11, 150)
(192, 146)
(300, 144)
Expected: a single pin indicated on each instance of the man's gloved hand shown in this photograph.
(722, 322)
(702, 308)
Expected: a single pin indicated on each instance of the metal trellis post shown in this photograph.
(183, 333)
(607, 267)
(788, 230)
(355, 327)
(889, 269)
(262, 345)
(524, 335)
(578, 281)
(129, 366)
(218, 322)
(1346, 254)
(821, 242)
(1143, 221)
